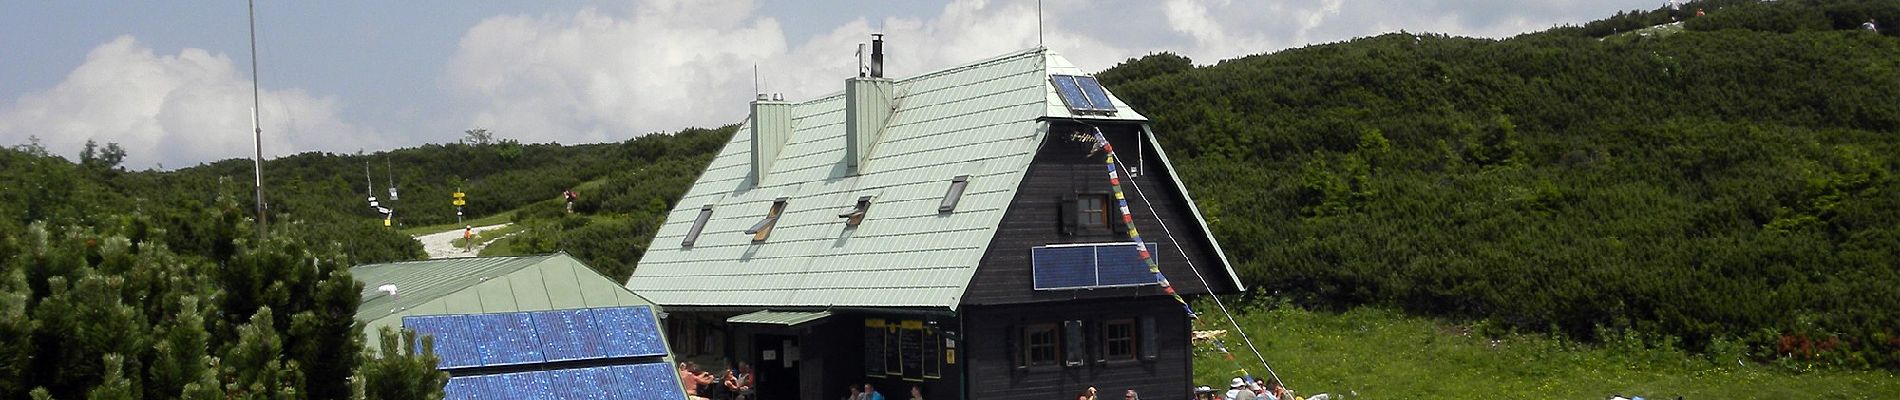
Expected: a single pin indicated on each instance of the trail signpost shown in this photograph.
(459, 202)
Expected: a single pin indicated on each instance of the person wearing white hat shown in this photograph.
(1238, 390)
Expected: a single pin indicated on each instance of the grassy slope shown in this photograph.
(1383, 355)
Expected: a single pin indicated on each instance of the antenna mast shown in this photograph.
(257, 132)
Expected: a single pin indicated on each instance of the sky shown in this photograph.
(171, 82)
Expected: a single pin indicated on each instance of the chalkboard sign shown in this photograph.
(933, 354)
(893, 359)
(874, 348)
(912, 347)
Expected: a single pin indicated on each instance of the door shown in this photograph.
(775, 360)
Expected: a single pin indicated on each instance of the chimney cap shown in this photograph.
(763, 97)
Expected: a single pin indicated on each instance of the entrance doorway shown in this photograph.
(775, 361)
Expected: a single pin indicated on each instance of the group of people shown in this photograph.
(737, 384)
(1248, 388)
(1089, 394)
(868, 392)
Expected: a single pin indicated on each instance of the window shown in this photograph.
(1092, 213)
(1039, 344)
(763, 229)
(1118, 339)
(855, 215)
(699, 224)
(956, 192)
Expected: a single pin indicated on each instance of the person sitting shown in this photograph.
(852, 393)
(1131, 395)
(916, 392)
(870, 393)
(1237, 390)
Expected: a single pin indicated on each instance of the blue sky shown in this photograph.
(171, 80)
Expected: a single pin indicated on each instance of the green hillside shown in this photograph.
(1734, 181)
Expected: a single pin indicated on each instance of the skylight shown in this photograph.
(956, 192)
(856, 214)
(699, 224)
(763, 229)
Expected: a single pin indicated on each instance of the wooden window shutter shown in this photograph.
(1065, 209)
(1098, 344)
(1013, 343)
(1075, 345)
(1149, 351)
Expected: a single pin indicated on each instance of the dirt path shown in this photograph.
(441, 245)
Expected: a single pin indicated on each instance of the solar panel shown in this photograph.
(461, 388)
(629, 331)
(1090, 266)
(534, 385)
(648, 381)
(1069, 267)
(505, 338)
(585, 383)
(1122, 265)
(1082, 94)
(1071, 93)
(1092, 89)
(453, 345)
(568, 335)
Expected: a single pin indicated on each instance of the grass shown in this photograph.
(1378, 354)
(497, 218)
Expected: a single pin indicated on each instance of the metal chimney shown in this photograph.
(877, 55)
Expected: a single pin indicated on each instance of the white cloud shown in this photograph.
(176, 110)
(606, 75)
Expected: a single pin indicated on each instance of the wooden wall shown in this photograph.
(993, 374)
(1062, 168)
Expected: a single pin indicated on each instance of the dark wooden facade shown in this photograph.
(1063, 169)
(982, 343)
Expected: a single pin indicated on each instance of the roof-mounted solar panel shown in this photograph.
(1083, 94)
(455, 347)
(1092, 89)
(629, 331)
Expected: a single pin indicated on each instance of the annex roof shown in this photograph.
(983, 120)
(482, 285)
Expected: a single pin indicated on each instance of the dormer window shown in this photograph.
(956, 192)
(763, 229)
(855, 215)
(699, 224)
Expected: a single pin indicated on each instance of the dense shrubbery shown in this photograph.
(109, 312)
(619, 218)
(1736, 183)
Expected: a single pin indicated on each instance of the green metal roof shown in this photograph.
(786, 318)
(984, 120)
(482, 285)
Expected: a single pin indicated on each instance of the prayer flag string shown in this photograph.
(1128, 219)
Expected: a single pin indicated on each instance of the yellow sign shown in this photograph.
(949, 356)
(460, 202)
(458, 195)
(912, 324)
(385, 222)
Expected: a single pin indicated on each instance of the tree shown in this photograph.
(402, 370)
(478, 137)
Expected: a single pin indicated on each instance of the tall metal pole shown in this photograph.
(257, 132)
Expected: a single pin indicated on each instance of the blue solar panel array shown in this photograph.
(1090, 266)
(640, 381)
(498, 339)
(1082, 94)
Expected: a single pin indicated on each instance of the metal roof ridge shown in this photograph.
(942, 71)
